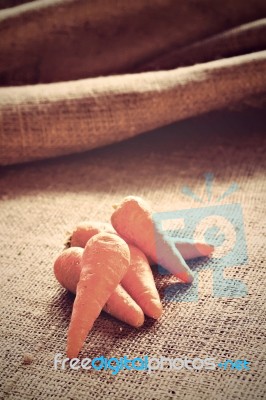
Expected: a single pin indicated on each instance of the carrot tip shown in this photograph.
(155, 309)
(205, 248)
(212, 248)
(188, 278)
(139, 323)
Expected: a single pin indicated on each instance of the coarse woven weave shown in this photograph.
(80, 74)
(41, 202)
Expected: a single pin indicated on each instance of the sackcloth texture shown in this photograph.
(109, 71)
(43, 201)
(81, 80)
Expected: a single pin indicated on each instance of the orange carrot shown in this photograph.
(85, 230)
(138, 281)
(188, 248)
(132, 219)
(67, 269)
(105, 261)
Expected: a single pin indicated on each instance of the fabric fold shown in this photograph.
(48, 120)
(59, 40)
(243, 39)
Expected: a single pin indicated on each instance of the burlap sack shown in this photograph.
(71, 41)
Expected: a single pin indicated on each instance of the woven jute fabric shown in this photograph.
(59, 40)
(93, 73)
(47, 120)
(42, 202)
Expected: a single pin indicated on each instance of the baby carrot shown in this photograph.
(132, 219)
(138, 281)
(105, 261)
(190, 249)
(85, 230)
(67, 269)
(187, 248)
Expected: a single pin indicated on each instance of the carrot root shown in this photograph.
(139, 283)
(132, 219)
(104, 262)
(67, 269)
(85, 230)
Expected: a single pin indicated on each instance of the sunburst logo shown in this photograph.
(209, 178)
(213, 222)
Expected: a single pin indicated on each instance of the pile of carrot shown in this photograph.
(108, 268)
